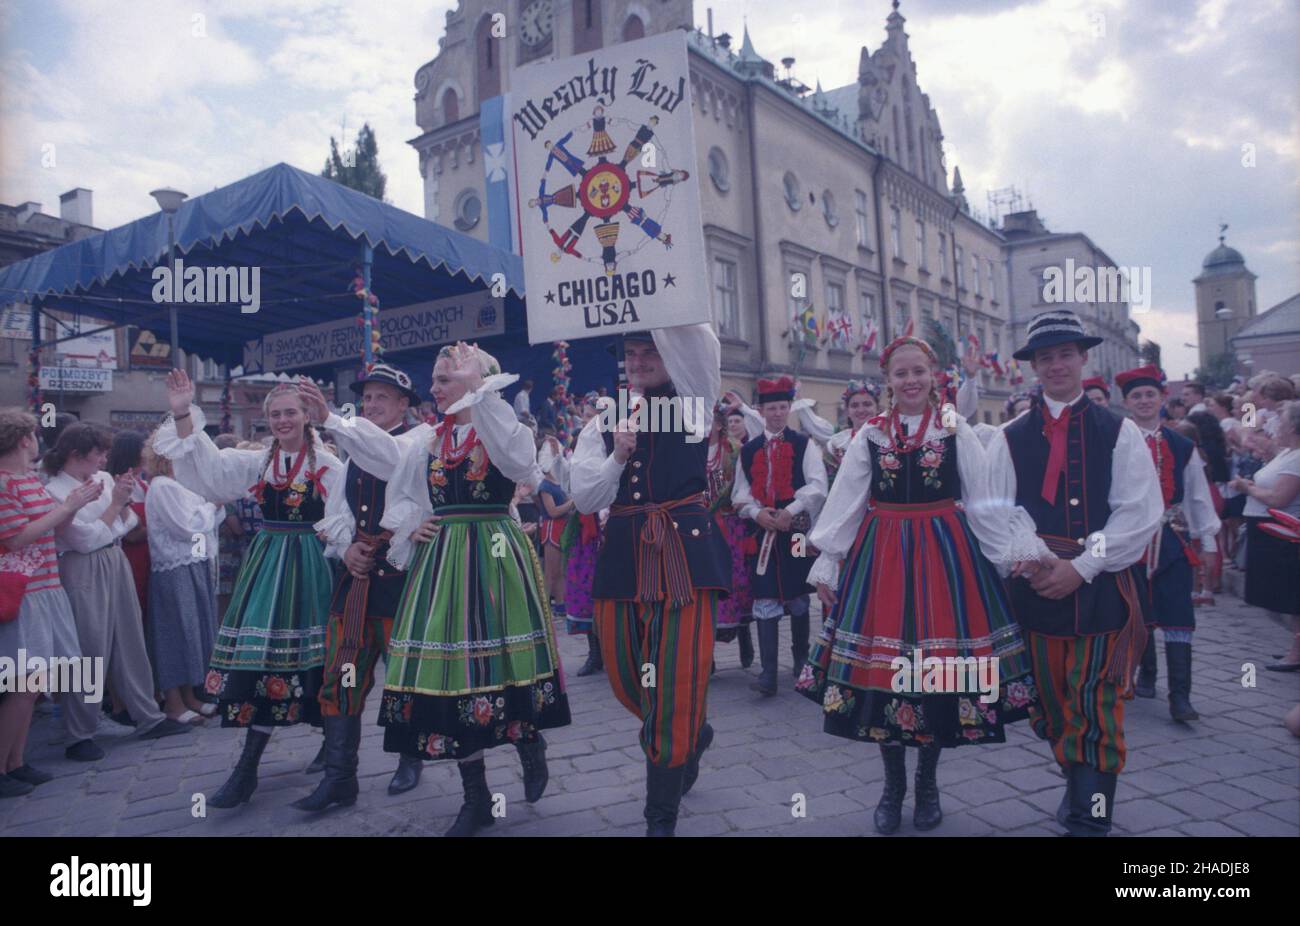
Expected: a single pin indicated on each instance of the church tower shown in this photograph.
(1225, 299)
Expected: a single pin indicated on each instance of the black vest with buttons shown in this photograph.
(1081, 507)
(663, 468)
(365, 494)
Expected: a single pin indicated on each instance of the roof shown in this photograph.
(1282, 319)
(304, 234)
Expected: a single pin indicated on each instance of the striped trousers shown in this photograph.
(1079, 713)
(658, 658)
(336, 698)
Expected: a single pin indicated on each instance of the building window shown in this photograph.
(895, 232)
(835, 298)
(975, 272)
(488, 67)
(726, 298)
(793, 197)
(828, 209)
(961, 276)
(586, 25)
(450, 107)
(867, 302)
(719, 170)
(943, 256)
(860, 215)
(902, 316)
(993, 286)
(468, 210)
(920, 244)
(633, 29)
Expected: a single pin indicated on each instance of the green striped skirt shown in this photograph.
(269, 655)
(472, 661)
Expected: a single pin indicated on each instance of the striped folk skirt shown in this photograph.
(270, 649)
(915, 580)
(472, 661)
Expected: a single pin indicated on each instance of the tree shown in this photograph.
(1218, 371)
(944, 346)
(358, 168)
(1149, 351)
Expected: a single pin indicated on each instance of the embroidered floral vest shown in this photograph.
(927, 474)
(475, 481)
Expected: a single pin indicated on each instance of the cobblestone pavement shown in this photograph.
(1235, 772)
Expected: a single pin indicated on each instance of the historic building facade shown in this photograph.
(838, 198)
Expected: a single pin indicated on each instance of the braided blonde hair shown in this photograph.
(308, 432)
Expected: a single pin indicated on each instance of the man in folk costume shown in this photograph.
(366, 595)
(1171, 558)
(780, 486)
(1095, 388)
(1081, 500)
(655, 622)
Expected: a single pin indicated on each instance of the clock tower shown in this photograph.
(1225, 299)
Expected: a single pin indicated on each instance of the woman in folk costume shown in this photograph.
(735, 613)
(269, 657)
(861, 402)
(472, 660)
(901, 576)
(581, 545)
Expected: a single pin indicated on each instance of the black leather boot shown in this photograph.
(339, 786)
(1090, 788)
(799, 641)
(927, 814)
(241, 784)
(594, 662)
(663, 796)
(1145, 686)
(746, 642)
(476, 812)
(768, 640)
(1178, 659)
(889, 812)
(532, 756)
(407, 775)
(316, 765)
(702, 743)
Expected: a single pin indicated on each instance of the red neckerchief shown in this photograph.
(1164, 460)
(906, 443)
(1056, 431)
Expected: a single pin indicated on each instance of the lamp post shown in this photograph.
(169, 201)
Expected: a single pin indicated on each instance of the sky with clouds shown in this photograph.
(1124, 119)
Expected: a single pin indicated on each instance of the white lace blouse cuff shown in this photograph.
(826, 571)
(491, 384)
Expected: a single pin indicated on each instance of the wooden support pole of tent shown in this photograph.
(367, 313)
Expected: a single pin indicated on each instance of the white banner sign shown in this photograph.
(422, 325)
(65, 378)
(98, 349)
(16, 323)
(607, 201)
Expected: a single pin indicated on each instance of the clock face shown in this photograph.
(535, 23)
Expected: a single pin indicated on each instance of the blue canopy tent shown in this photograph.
(306, 235)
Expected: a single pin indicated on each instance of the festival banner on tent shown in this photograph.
(421, 326)
(606, 195)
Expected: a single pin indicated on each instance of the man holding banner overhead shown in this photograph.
(608, 213)
(655, 623)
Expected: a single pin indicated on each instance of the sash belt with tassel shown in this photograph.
(1131, 639)
(354, 608)
(660, 556)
